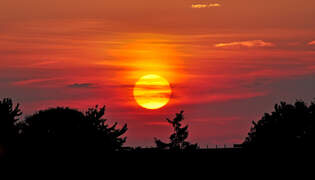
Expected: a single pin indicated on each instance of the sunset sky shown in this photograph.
(227, 61)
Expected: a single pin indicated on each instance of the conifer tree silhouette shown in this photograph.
(109, 135)
(9, 117)
(178, 137)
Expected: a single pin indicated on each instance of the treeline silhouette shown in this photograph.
(66, 130)
(57, 130)
(289, 126)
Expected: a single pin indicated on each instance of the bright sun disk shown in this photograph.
(152, 91)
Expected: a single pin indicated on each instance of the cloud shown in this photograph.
(34, 81)
(312, 43)
(224, 97)
(199, 6)
(82, 85)
(254, 43)
(203, 98)
(157, 123)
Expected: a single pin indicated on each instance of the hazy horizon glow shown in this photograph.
(227, 62)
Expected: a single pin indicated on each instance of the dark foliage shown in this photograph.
(68, 128)
(104, 133)
(289, 126)
(57, 130)
(9, 117)
(177, 139)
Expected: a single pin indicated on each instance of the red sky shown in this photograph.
(227, 63)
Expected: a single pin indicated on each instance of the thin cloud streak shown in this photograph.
(33, 81)
(254, 43)
(157, 123)
(199, 6)
(218, 97)
(312, 43)
(82, 85)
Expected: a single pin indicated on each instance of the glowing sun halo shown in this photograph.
(152, 91)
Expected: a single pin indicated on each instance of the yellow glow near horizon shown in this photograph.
(152, 91)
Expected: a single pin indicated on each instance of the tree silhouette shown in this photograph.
(177, 139)
(68, 128)
(104, 133)
(289, 126)
(9, 116)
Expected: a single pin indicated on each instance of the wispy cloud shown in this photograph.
(157, 123)
(199, 6)
(224, 97)
(312, 43)
(203, 98)
(34, 81)
(253, 43)
(82, 85)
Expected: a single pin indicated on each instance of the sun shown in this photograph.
(152, 91)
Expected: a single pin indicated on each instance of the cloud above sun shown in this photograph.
(312, 43)
(253, 43)
(199, 6)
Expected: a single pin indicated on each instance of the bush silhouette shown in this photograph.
(68, 128)
(289, 126)
(177, 139)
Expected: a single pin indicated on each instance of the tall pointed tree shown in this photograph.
(9, 116)
(108, 135)
(178, 137)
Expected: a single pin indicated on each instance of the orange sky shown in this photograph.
(227, 64)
